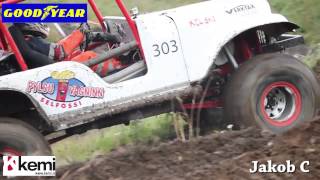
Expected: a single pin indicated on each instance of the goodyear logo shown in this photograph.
(44, 13)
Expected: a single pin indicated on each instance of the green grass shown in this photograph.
(305, 13)
(83, 147)
(313, 58)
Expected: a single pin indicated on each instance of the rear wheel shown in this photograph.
(273, 91)
(18, 138)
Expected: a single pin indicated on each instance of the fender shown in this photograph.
(212, 24)
(19, 96)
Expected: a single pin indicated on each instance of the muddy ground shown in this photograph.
(225, 155)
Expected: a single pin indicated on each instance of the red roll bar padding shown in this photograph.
(98, 14)
(13, 46)
(125, 13)
(10, 2)
(131, 23)
(129, 20)
(3, 42)
(205, 105)
(95, 9)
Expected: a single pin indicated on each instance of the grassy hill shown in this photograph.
(305, 13)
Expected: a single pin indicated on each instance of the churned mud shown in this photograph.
(227, 155)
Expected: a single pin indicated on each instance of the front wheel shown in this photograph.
(18, 138)
(273, 91)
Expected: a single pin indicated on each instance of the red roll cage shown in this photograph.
(7, 41)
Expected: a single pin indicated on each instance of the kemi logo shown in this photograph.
(44, 13)
(29, 166)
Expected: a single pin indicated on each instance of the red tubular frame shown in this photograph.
(205, 105)
(3, 42)
(98, 14)
(10, 2)
(131, 23)
(125, 13)
(12, 44)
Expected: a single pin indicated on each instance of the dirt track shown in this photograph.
(217, 156)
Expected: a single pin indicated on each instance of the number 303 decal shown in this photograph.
(165, 48)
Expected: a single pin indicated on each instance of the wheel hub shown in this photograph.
(275, 103)
(281, 103)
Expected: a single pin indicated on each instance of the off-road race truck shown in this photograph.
(223, 54)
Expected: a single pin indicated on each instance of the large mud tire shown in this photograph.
(19, 138)
(272, 91)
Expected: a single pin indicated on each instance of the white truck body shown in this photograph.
(193, 37)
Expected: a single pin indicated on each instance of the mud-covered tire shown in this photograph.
(272, 91)
(19, 138)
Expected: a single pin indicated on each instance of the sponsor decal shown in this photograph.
(63, 90)
(29, 166)
(44, 13)
(202, 21)
(241, 9)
